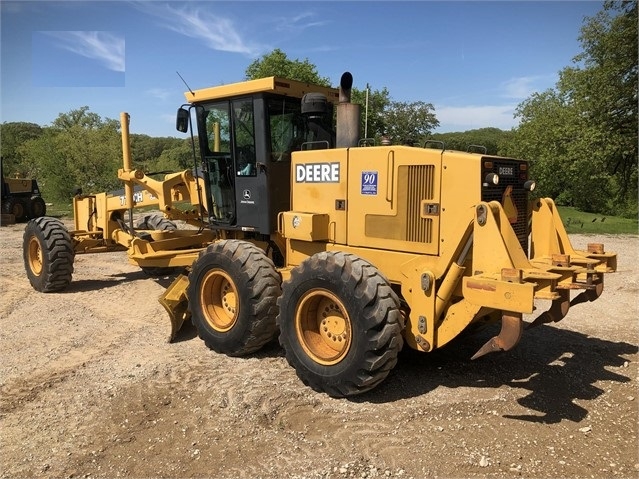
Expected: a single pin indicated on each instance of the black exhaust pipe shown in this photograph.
(348, 114)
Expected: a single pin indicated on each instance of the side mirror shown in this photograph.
(182, 120)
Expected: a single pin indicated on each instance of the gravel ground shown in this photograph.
(91, 388)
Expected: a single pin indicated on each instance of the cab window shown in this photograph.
(244, 128)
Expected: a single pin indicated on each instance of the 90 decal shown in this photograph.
(369, 182)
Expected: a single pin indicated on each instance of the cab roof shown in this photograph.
(277, 85)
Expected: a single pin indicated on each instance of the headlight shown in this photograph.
(492, 179)
(530, 185)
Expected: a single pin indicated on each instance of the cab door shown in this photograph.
(214, 127)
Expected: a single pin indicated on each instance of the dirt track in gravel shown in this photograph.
(90, 388)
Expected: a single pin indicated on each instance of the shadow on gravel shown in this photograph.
(557, 366)
(186, 333)
(84, 285)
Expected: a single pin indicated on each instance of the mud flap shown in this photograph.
(176, 304)
(512, 326)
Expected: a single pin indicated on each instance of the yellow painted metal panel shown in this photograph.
(492, 293)
(319, 185)
(394, 198)
(297, 251)
(305, 226)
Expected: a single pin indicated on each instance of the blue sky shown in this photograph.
(474, 61)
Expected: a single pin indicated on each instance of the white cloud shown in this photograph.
(105, 47)
(462, 118)
(520, 88)
(297, 23)
(217, 32)
(159, 93)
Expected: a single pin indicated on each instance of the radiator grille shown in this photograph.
(519, 195)
(420, 186)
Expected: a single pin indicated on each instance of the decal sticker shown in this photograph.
(369, 182)
(246, 198)
(317, 173)
(138, 197)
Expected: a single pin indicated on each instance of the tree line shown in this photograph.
(580, 136)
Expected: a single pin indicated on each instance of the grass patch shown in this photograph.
(60, 210)
(577, 221)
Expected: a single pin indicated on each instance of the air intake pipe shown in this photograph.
(348, 115)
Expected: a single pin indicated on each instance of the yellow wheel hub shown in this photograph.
(219, 300)
(323, 327)
(35, 256)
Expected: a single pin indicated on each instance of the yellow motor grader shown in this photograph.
(347, 251)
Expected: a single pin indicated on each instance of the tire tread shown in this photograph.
(262, 283)
(57, 249)
(381, 321)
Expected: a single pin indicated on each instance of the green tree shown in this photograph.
(83, 118)
(176, 158)
(12, 136)
(398, 119)
(52, 171)
(406, 122)
(80, 149)
(277, 63)
(373, 124)
(548, 136)
(583, 133)
(147, 150)
(495, 141)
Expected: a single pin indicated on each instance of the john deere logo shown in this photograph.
(317, 173)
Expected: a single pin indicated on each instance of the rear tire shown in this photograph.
(48, 254)
(37, 207)
(340, 324)
(16, 207)
(233, 290)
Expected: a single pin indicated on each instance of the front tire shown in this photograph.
(340, 324)
(233, 290)
(48, 254)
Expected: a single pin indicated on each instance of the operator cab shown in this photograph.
(245, 135)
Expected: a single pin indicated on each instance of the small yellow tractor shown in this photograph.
(347, 251)
(21, 198)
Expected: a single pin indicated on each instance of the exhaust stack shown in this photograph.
(348, 115)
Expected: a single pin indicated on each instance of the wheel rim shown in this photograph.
(35, 256)
(219, 300)
(323, 327)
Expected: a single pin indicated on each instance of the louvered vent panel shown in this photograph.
(421, 185)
